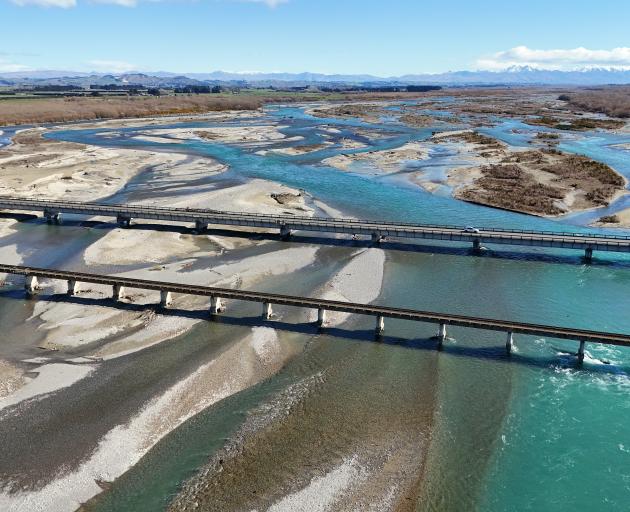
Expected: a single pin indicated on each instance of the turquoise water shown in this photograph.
(530, 432)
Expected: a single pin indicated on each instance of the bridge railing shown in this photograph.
(331, 222)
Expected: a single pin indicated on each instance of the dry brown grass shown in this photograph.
(476, 138)
(58, 110)
(610, 219)
(507, 186)
(612, 101)
(535, 181)
(547, 136)
(581, 124)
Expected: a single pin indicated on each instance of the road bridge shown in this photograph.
(287, 224)
(218, 296)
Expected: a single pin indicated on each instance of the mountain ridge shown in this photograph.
(523, 75)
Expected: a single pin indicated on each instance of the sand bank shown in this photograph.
(8, 252)
(543, 182)
(11, 379)
(298, 150)
(140, 122)
(391, 160)
(36, 167)
(247, 134)
(360, 280)
(255, 196)
(50, 377)
(122, 331)
(241, 365)
(323, 492)
(124, 247)
(620, 219)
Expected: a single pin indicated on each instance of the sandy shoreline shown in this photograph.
(34, 167)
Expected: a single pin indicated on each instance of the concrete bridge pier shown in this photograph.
(200, 226)
(216, 305)
(73, 287)
(380, 325)
(118, 292)
(285, 232)
(266, 311)
(31, 285)
(166, 298)
(477, 245)
(588, 255)
(52, 216)
(441, 335)
(509, 343)
(123, 221)
(321, 317)
(580, 354)
(377, 238)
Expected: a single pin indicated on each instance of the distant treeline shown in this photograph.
(115, 87)
(198, 89)
(153, 90)
(403, 88)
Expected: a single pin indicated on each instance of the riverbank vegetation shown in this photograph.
(544, 182)
(613, 101)
(580, 124)
(58, 110)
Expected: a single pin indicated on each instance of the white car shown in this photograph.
(470, 229)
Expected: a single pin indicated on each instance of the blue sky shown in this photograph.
(384, 38)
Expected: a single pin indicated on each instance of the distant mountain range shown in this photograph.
(511, 76)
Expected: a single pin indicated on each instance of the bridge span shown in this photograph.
(286, 224)
(268, 300)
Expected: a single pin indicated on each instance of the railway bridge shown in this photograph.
(218, 296)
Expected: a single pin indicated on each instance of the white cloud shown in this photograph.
(113, 66)
(563, 60)
(7, 66)
(65, 4)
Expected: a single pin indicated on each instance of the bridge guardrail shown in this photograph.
(324, 221)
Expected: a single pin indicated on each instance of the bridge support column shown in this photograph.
(321, 317)
(52, 216)
(380, 325)
(73, 287)
(123, 221)
(580, 354)
(588, 254)
(509, 342)
(118, 292)
(216, 305)
(441, 335)
(285, 232)
(266, 311)
(200, 226)
(476, 245)
(377, 238)
(165, 298)
(31, 285)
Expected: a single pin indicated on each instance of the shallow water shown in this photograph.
(524, 432)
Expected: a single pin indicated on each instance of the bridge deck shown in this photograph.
(563, 240)
(330, 305)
